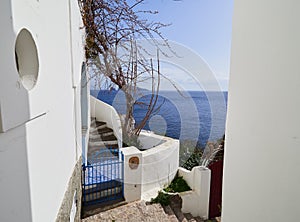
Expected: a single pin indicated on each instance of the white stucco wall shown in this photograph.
(261, 168)
(132, 177)
(14, 180)
(14, 110)
(41, 141)
(160, 164)
(157, 167)
(196, 201)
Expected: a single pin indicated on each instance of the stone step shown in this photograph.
(94, 136)
(109, 143)
(94, 209)
(140, 211)
(96, 129)
(199, 219)
(98, 138)
(98, 148)
(97, 126)
(109, 138)
(176, 205)
(104, 131)
(172, 217)
(96, 156)
(180, 216)
(189, 217)
(108, 133)
(153, 211)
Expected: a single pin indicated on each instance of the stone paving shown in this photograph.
(139, 211)
(136, 211)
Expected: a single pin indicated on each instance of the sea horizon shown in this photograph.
(198, 116)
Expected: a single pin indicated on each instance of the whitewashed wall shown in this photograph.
(261, 168)
(132, 177)
(196, 201)
(14, 112)
(160, 163)
(157, 167)
(41, 132)
(14, 180)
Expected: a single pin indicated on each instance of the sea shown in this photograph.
(189, 116)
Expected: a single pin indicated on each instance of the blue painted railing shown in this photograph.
(103, 177)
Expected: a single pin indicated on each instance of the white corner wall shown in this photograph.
(261, 168)
(132, 177)
(40, 141)
(196, 201)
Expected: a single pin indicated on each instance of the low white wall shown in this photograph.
(106, 113)
(160, 163)
(196, 201)
(132, 177)
(157, 167)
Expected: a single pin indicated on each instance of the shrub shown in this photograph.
(162, 198)
(177, 185)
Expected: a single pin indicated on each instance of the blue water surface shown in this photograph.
(195, 115)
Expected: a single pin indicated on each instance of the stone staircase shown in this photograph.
(100, 137)
(175, 214)
(139, 211)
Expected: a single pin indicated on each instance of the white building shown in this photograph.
(40, 115)
(261, 169)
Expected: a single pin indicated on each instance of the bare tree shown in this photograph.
(112, 28)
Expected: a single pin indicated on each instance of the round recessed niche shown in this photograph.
(27, 61)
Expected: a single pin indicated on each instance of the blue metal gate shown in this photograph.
(103, 177)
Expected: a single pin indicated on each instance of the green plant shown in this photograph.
(177, 185)
(162, 198)
(193, 160)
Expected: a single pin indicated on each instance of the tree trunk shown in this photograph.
(129, 120)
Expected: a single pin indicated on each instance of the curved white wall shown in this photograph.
(157, 167)
(160, 163)
(106, 113)
(262, 146)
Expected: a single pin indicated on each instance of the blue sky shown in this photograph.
(203, 26)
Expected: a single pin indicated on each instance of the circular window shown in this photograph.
(27, 61)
